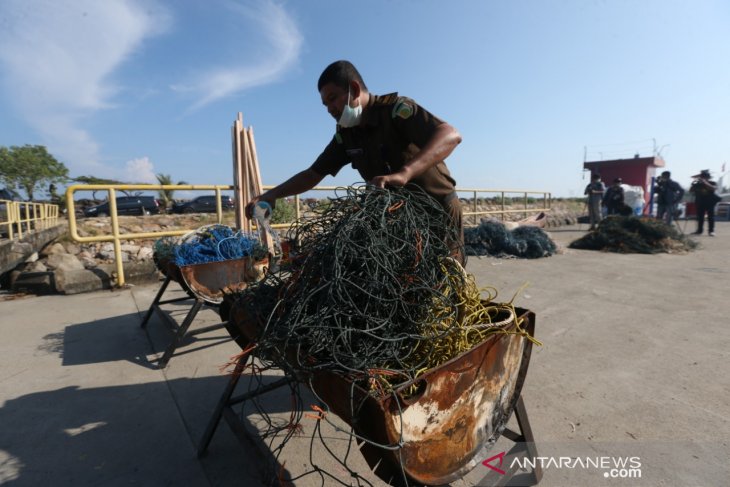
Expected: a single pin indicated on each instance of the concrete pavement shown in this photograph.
(634, 365)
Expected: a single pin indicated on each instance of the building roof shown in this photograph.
(653, 161)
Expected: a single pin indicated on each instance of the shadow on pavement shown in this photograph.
(129, 434)
(96, 342)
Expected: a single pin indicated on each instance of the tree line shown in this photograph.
(33, 169)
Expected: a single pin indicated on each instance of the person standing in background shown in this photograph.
(705, 191)
(594, 191)
(669, 193)
(614, 197)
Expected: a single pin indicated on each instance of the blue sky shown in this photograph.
(125, 89)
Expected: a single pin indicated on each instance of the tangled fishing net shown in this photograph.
(372, 294)
(375, 293)
(635, 235)
(211, 243)
(493, 238)
(164, 252)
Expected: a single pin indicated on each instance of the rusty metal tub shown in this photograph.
(211, 280)
(448, 426)
(451, 423)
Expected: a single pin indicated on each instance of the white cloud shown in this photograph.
(140, 170)
(57, 57)
(284, 45)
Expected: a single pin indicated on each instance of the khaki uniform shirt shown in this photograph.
(393, 129)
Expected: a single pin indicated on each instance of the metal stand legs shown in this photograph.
(180, 330)
(524, 440)
(224, 408)
(524, 447)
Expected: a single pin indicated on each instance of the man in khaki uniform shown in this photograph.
(390, 140)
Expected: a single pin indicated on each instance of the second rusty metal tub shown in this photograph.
(211, 280)
(205, 284)
(448, 426)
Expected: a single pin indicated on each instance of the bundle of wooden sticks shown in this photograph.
(246, 176)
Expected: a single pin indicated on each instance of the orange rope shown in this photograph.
(237, 361)
(321, 413)
(394, 207)
(419, 248)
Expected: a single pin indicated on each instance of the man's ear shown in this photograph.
(355, 89)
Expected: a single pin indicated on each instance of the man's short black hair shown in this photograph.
(340, 73)
(666, 174)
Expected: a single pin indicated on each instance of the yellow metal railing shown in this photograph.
(19, 217)
(116, 236)
(542, 202)
(298, 204)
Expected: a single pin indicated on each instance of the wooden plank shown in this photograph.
(255, 181)
(246, 182)
(235, 172)
(255, 169)
(238, 196)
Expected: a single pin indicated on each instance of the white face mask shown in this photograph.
(350, 116)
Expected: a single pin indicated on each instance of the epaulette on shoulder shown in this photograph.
(388, 99)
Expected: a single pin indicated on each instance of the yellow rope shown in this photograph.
(477, 318)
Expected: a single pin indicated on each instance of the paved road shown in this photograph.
(634, 364)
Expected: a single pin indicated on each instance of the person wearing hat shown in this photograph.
(594, 191)
(705, 191)
(668, 194)
(613, 200)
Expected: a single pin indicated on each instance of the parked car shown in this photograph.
(127, 205)
(203, 204)
(10, 195)
(722, 209)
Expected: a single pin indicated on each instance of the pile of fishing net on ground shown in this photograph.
(631, 234)
(211, 243)
(374, 293)
(491, 237)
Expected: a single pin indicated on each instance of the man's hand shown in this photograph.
(252, 203)
(396, 180)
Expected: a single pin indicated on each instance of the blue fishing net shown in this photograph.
(217, 243)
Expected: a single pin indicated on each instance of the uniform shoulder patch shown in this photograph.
(403, 109)
(338, 138)
(388, 99)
